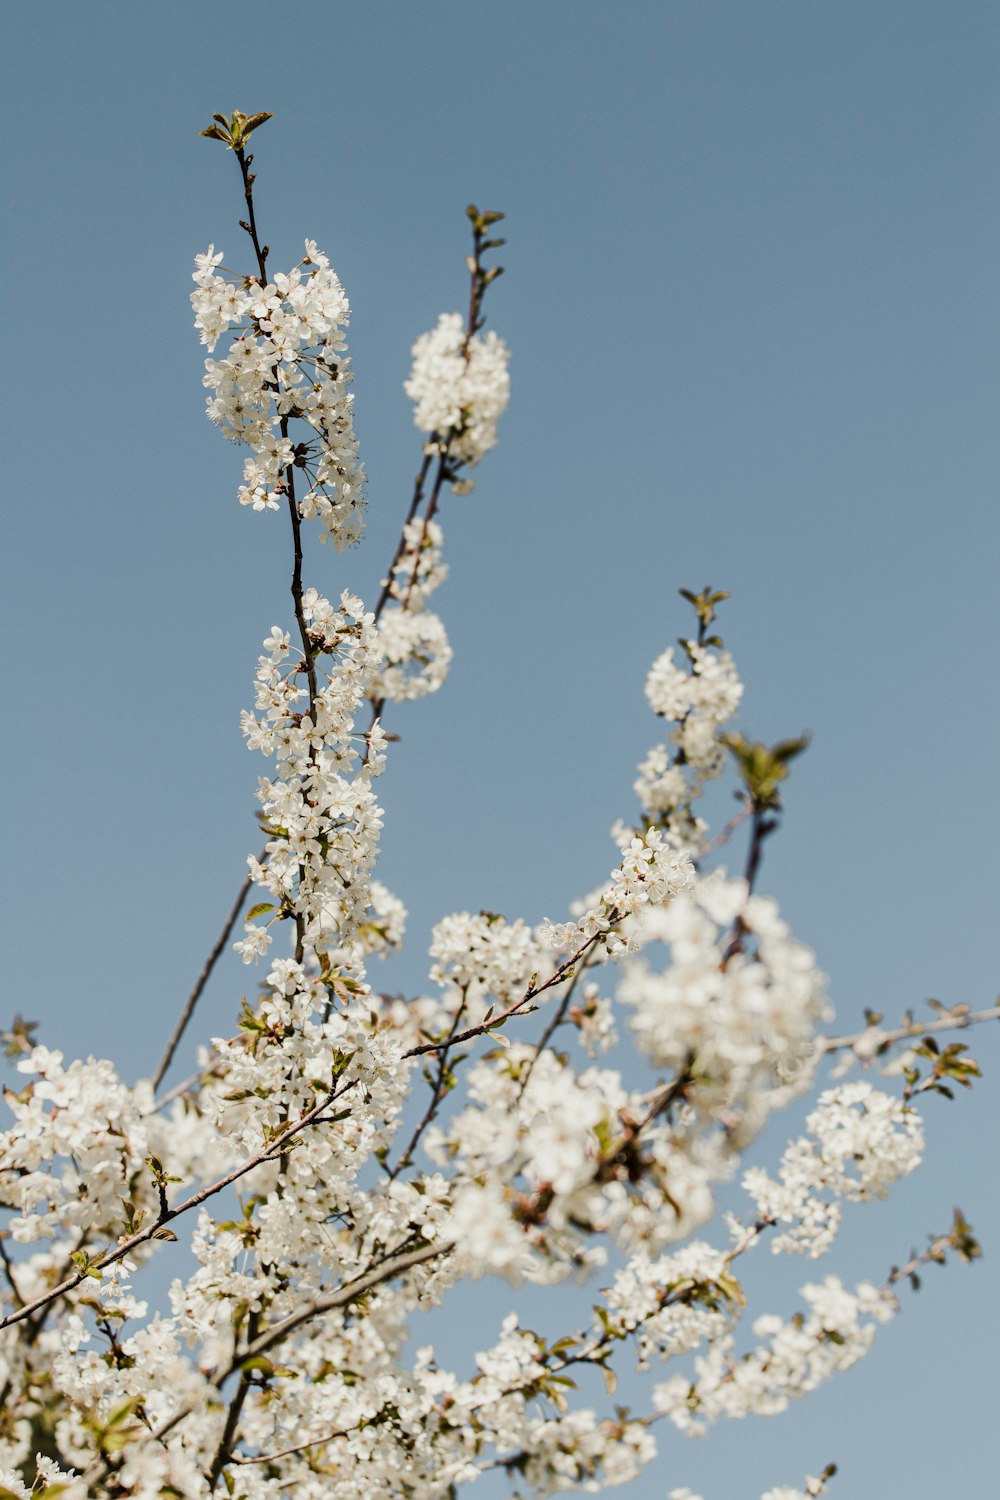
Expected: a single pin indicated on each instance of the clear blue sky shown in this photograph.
(753, 301)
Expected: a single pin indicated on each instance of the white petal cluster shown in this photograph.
(415, 651)
(860, 1143)
(579, 1452)
(320, 809)
(740, 1019)
(419, 569)
(414, 642)
(77, 1140)
(652, 872)
(594, 1018)
(799, 1355)
(483, 959)
(385, 928)
(782, 1492)
(557, 1167)
(672, 1303)
(460, 387)
(661, 785)
(700, 701)
(711, 690)
(288, 363)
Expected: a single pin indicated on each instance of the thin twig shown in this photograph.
(341, 1298)
(448, 468)
(251, 227)
(726, 833)
(437, 1093)
(230, 1430)
(760, 827)
(203, 978)
(270, 1458)
(8, 1271)
(418, 495)
(550, 1030)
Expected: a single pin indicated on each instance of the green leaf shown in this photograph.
(123, 1410)
(84, 1265)
(964, 1243)
(254, 122)
(763, 769)
(19, 1039)
(258, 910)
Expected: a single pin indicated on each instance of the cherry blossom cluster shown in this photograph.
(484, 959)
(412, 638)
(460, 387)
(287, 363)
(652, 871)
(320, 809)
(814, 1485)
(700, 701)
(795, 1358)
(861, 1141)
(737, 1005)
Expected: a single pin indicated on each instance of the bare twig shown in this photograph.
(725, 834)
(341, 1298)
(555, 1022)
(438, 1091)
(203, 978)
(270, 1458)
(8, 1271)
(231, 1429)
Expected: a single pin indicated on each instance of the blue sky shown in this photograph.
(752, 298)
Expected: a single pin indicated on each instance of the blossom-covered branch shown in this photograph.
(345, 1158)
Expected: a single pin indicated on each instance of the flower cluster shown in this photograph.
(287, 363)
(319, 810)
(652, 871)
(739, 1017)
(700, 701)
(798, 1355)
(460, 387)
(412, 638)
(860, 1142)
(482, 959)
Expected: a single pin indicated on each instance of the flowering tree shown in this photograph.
(565, 1102)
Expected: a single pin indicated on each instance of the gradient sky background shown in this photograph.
(752, 297)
